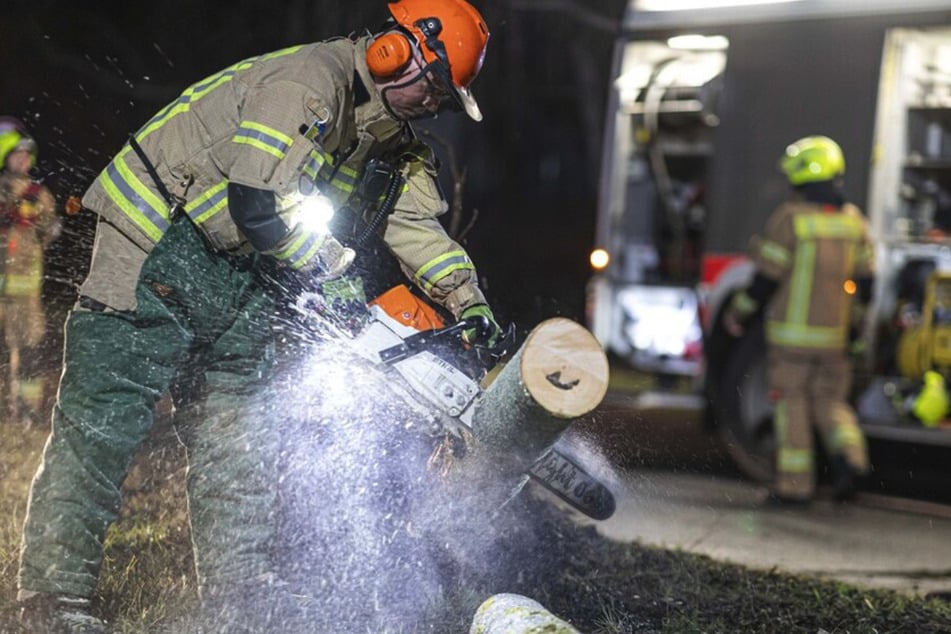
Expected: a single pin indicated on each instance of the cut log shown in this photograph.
(558, 375)
(516, 614)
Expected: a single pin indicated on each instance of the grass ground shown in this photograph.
(601, 586)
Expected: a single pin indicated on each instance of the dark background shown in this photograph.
(84, 75)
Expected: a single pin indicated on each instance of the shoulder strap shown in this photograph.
(174, 204)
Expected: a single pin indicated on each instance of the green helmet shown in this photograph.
(812, 159)
(13, 136)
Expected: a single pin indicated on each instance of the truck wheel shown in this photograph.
(742, 407)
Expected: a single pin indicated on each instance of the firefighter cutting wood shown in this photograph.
(200, 213)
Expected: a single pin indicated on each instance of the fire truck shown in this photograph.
(705, 97)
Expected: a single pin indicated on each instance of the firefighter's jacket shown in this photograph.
(284, 122)
(28, 224)
(815, 253)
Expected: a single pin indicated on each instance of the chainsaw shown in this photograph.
(438, 374)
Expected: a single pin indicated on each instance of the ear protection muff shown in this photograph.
(389, 54)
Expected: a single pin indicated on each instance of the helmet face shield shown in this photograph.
(461, 99)
(464, 96)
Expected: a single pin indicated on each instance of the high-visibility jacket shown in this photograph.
(285, 121)
(815, 253)
(28, 225)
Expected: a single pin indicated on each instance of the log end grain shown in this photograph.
(564, 368)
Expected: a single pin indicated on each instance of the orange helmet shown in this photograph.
(451, 36)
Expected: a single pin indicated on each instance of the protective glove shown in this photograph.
(471, 335)
(313, 252)
(737, 312)
(856, 344)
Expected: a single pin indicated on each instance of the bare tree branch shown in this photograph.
(456, 211)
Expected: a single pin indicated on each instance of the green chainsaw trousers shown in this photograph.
(203, 320)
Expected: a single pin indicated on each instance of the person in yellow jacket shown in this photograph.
(204, 216)
(28, 225)
(813, 261)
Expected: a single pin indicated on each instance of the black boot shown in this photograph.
(845, 479)
(59, 614)
(777, 500)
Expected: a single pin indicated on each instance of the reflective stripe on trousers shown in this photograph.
(812, 392)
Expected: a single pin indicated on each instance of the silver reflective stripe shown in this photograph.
(263, 138)
(440, 267)
(319, 167)
(140, 205)
(315, 161)
(212, 200)
(298, 253)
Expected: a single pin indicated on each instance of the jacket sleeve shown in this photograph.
(254, 211)
(436, 263)
(773, 250)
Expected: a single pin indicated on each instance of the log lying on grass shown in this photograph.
(516, 614)
(558, 375)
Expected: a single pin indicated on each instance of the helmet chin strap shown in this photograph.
(440, 67)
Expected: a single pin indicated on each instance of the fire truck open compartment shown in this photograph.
(703, 103)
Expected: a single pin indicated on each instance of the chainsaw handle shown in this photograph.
(489, 355)
(427, 338)
(479, 323)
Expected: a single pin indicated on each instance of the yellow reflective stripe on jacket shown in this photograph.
(21, 285)
(140, 204)
(198, 90)
(800, 284)
(319, 166)
(345, 179)
(192, 94)
(775, 253)
(210, 202)
(315, 162)
(264, 138)
(301, 250)
(828, 226)
(436, 269)
(804, 336)
(794, 460)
